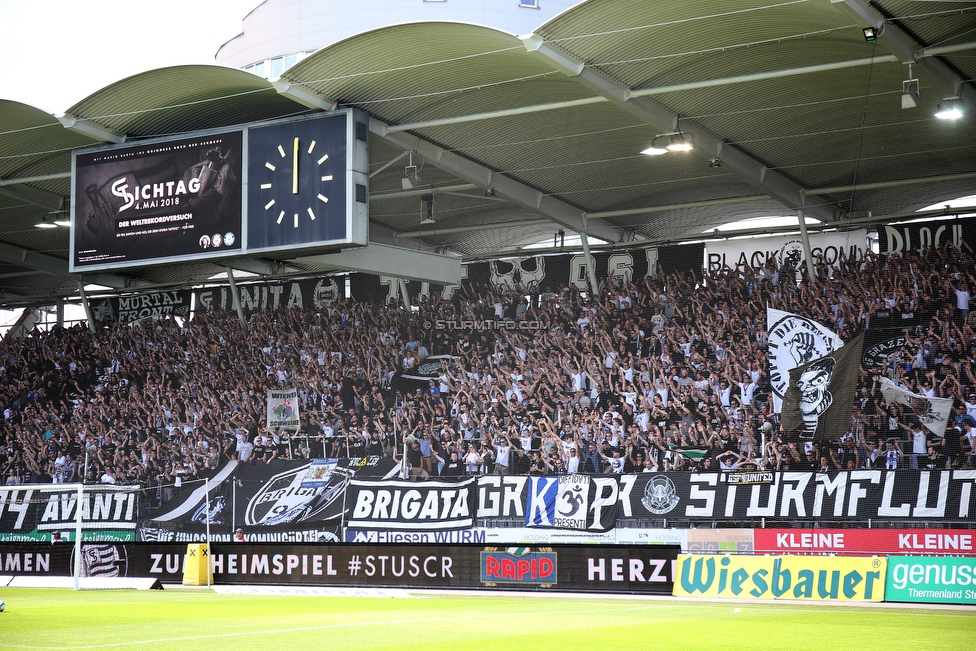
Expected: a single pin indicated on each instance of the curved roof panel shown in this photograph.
(550, 126)
(182, 98)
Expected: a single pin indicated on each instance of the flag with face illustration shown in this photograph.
(818, 401)
(794, 340)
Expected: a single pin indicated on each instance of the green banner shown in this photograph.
(68, 535)
(931, 579)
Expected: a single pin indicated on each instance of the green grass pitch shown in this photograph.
(188, 620)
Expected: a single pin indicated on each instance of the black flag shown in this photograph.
(818, 402)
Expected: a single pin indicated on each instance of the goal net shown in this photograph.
(84, 523)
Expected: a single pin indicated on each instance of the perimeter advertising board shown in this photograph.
(959, 542)
(808, 578)
(945, 580)
(644, 569)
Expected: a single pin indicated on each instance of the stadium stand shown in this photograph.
(665, 373)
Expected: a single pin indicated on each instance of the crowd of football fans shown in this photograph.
(661, 373)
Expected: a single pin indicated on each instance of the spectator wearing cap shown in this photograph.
(239, 535)
(970, 405)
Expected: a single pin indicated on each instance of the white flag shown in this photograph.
(933, 412)
(794, 340)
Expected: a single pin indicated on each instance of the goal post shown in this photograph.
(90, 520)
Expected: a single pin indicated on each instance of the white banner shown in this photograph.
(786, 250)
(932, 412)
(794, 340)
(282, 409)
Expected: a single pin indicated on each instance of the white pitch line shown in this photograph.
(61, 647)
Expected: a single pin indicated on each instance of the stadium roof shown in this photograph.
(788, 105)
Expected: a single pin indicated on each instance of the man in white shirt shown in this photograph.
(244, 449)
(502, 452)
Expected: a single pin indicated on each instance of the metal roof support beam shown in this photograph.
(91, 129)
(577, 70)
(422, 191)
(518, 193)
(880, 185)
(18, 180)
(775, 184)
(387, 164)
(57, 267)
(488, 115)
(46, 200)
(454, 230)
(677, 206)
(393, 261)
(87, 306)
(302, 96)
(590, 271)
(36, 261)
(236, 298)
(259, 267)
(892, 38)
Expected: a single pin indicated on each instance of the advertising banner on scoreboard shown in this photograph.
(157, 201)
(808, 578)
(944, 580)
(958, 542)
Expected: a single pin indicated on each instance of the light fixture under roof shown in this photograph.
(654, 151)
(411, 175)
(427, 209)
(665, 142)
(870, 34)
(910, 91)
(949, 109)
(680, 142)
(44, 223)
